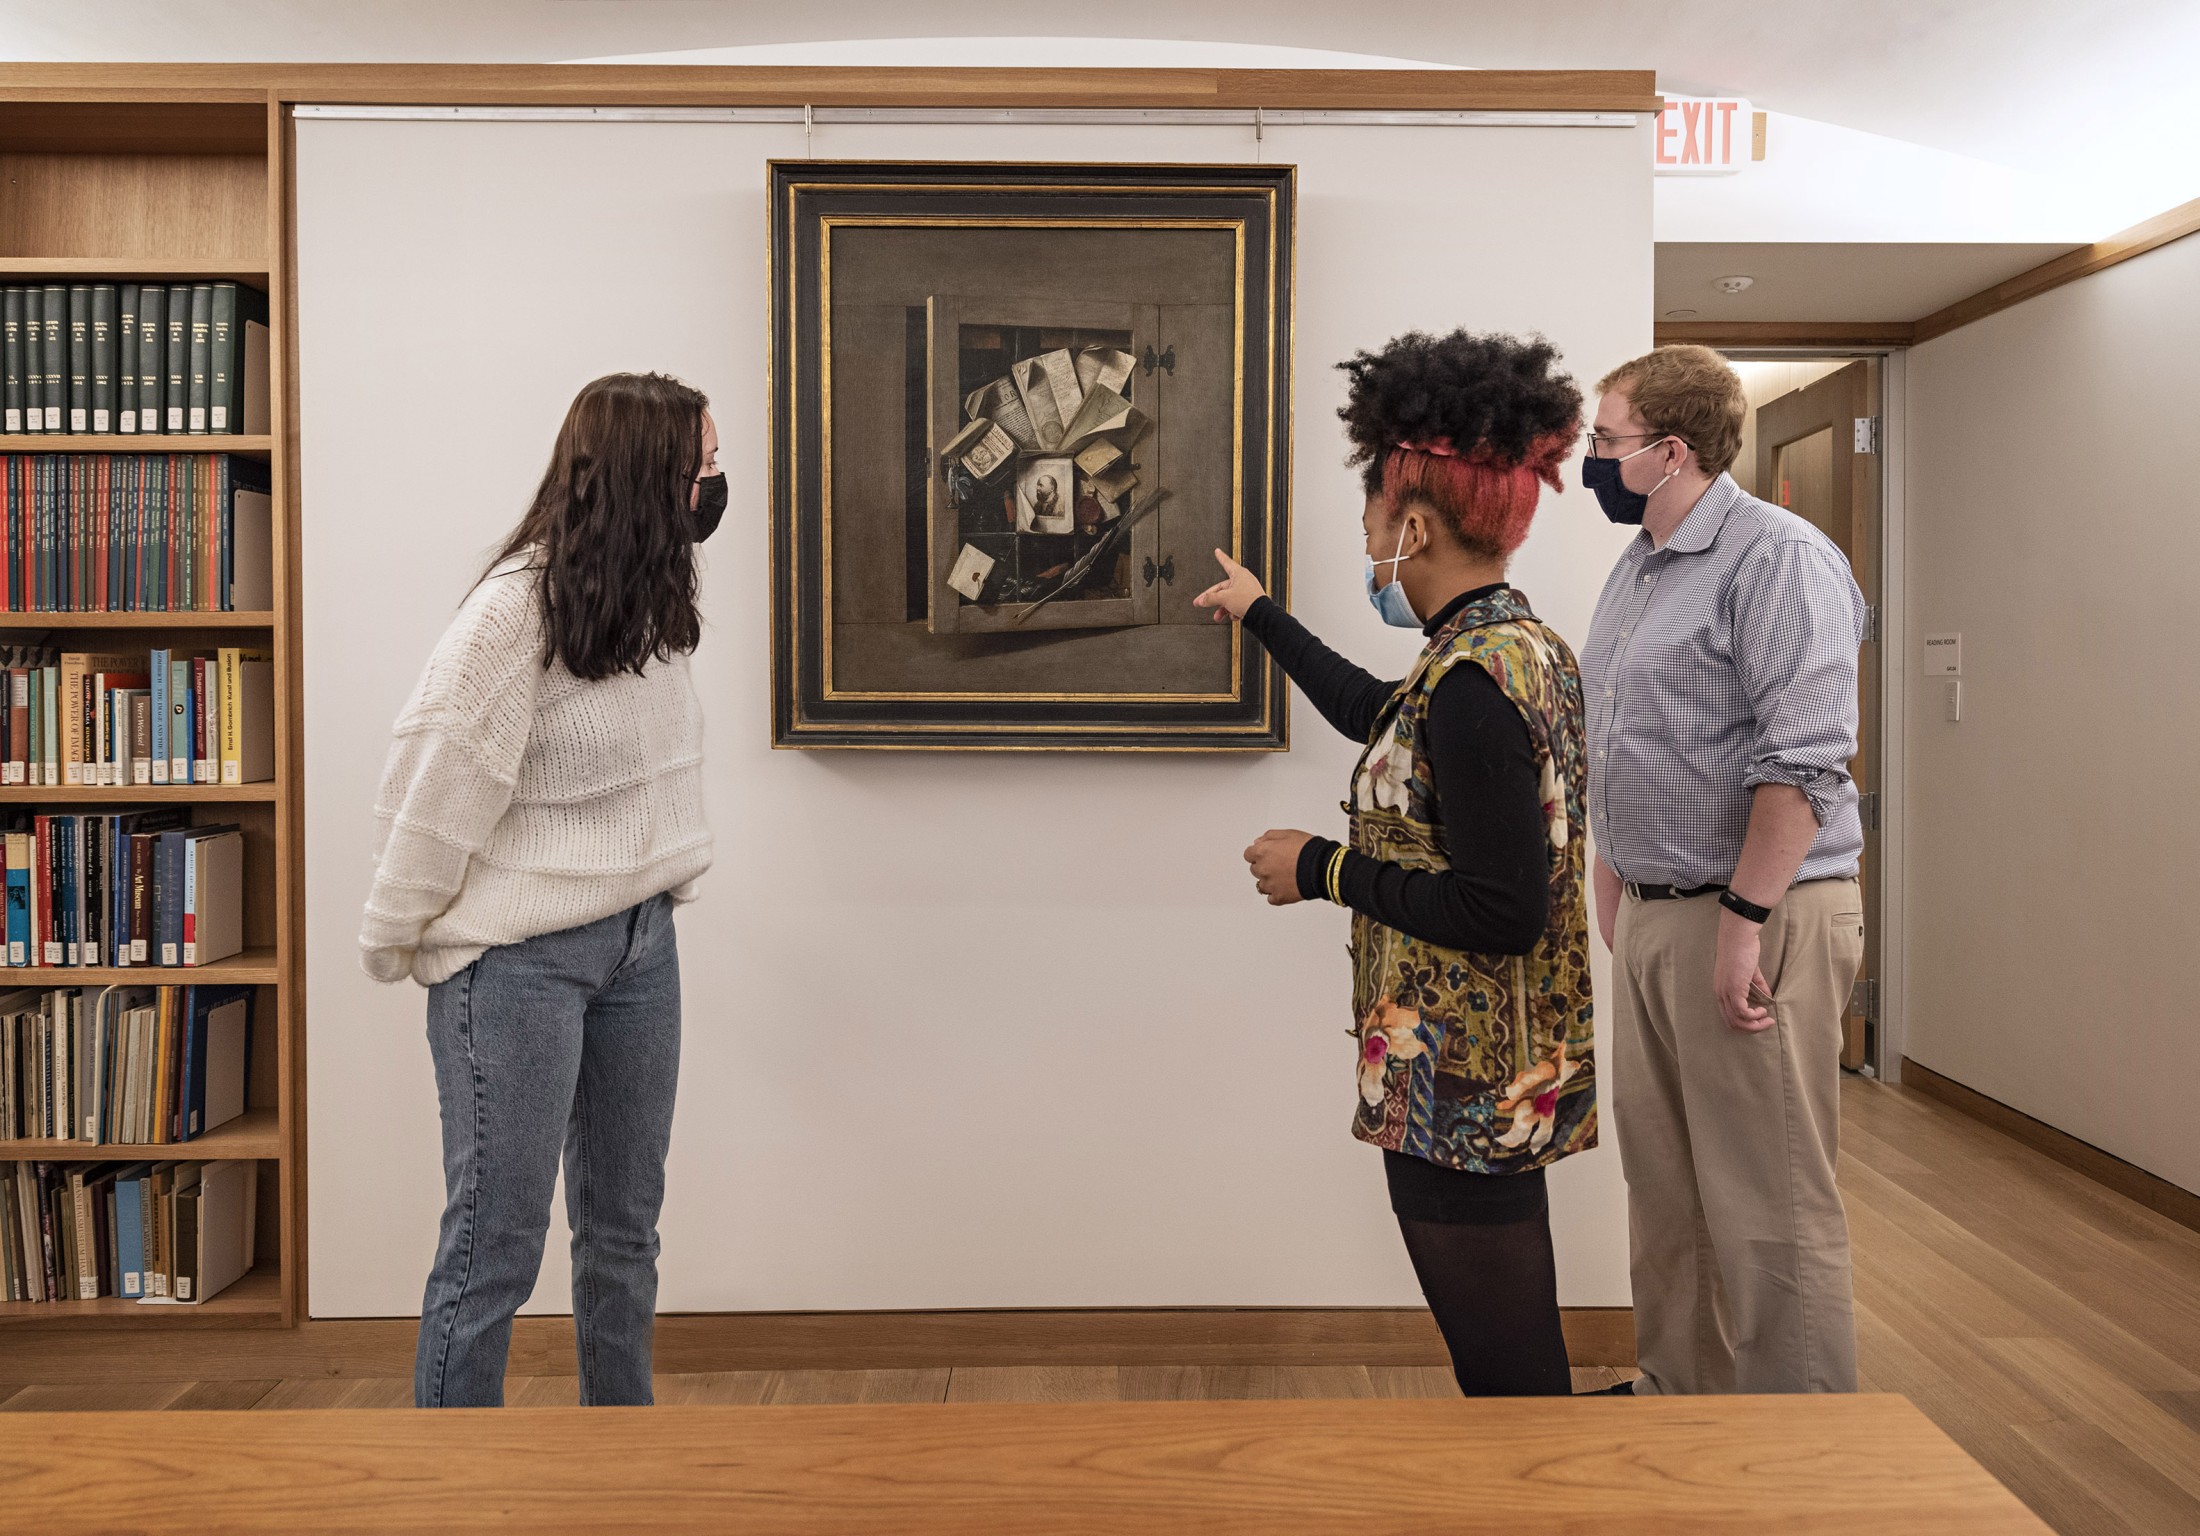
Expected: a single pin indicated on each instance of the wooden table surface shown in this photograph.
(1580, 1465)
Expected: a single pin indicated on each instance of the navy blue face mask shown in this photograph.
(1620, 504)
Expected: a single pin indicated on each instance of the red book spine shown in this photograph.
(41, 889)
(106, 510)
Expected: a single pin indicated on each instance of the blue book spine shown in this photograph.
(129, 1235)
(194, 1059)
(19, 915)
(118, 887)
(157, 665)
(167, 878)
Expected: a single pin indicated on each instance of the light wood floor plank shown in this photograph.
(96, 1397)
(819, 1387)
(340, 1392)
(223, 1395)
(2185, 1405)
(733, 1388)
(2085, 1392)
(1034, 1384)
(1434, 1380)
(2127, 1497)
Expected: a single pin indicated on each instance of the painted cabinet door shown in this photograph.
(974, 341)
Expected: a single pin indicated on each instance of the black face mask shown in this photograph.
(1620, 504)
(710, 505)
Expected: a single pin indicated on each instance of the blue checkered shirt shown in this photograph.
(1723, 661)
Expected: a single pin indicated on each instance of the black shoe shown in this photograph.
(1624, 1389)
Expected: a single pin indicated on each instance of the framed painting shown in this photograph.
(1014, 410)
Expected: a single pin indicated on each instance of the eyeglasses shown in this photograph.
(1598, 439)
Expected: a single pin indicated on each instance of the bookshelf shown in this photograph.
(115, 182)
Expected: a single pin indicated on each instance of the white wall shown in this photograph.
(2054, 859)
(1145, 1100)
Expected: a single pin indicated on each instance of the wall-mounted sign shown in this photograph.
(1707, 135)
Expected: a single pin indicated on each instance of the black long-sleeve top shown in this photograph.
(1495, 898)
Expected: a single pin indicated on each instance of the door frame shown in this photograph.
(1886, 764)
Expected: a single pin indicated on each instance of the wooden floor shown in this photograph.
(2051, 1327)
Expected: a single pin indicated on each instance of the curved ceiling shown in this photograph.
(2039, 83)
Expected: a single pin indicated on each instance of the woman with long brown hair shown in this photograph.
(541, 814)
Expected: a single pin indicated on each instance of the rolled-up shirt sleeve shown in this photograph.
(1798, 624)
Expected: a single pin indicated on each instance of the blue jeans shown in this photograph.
(567, 1041)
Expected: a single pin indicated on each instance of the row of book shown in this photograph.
(122, 1066)
(133, 357)
(137, 533)
(170, 1233)
(122, 889)
(97, 719)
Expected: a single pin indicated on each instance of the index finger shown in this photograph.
(1228, 565)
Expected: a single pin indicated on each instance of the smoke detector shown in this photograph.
(1732, 284)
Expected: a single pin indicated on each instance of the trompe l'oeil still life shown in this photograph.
(1017, 409)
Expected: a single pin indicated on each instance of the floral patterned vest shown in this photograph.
(1478, 1062)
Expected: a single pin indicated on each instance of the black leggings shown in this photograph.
(1481, 1247)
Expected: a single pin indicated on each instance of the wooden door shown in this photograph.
(1196, 448)
(1818, 456)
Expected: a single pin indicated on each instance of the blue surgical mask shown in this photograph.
(1390, 600)
(1621, 505)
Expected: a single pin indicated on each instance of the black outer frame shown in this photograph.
(800, 193)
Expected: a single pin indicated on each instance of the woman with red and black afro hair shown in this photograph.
(1463, 868)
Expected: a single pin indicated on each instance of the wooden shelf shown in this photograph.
(255, 1135)
(182, 618)
(254, 967)
(255, 1299)
(126, 183)
(249, 270)
(137, 442)
(140, 794)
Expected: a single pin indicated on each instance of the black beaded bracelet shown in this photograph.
(1742, 906)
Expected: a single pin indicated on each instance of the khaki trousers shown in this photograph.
(1740, 1244)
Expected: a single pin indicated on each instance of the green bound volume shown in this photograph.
(54, 327)
(34, 359)
(236, 309)
(126, 351)
(103, 357)
(152, 352)
(11, 360)
(176, 355)
(202, 355)
(80, 357)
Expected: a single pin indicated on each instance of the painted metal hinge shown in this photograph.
(1166, 362)
(1867, 434)
(1867, 809)
(1864, 998)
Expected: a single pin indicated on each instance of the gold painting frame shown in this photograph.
(1204, 691)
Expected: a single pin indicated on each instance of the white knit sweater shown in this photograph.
(520, 800)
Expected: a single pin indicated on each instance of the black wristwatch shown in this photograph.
(1742, 906)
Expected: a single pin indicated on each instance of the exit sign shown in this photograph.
(1706, 136)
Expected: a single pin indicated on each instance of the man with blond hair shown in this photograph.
(1720, 677)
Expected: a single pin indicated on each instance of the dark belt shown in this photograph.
(1670, 892)
(1678, 893)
